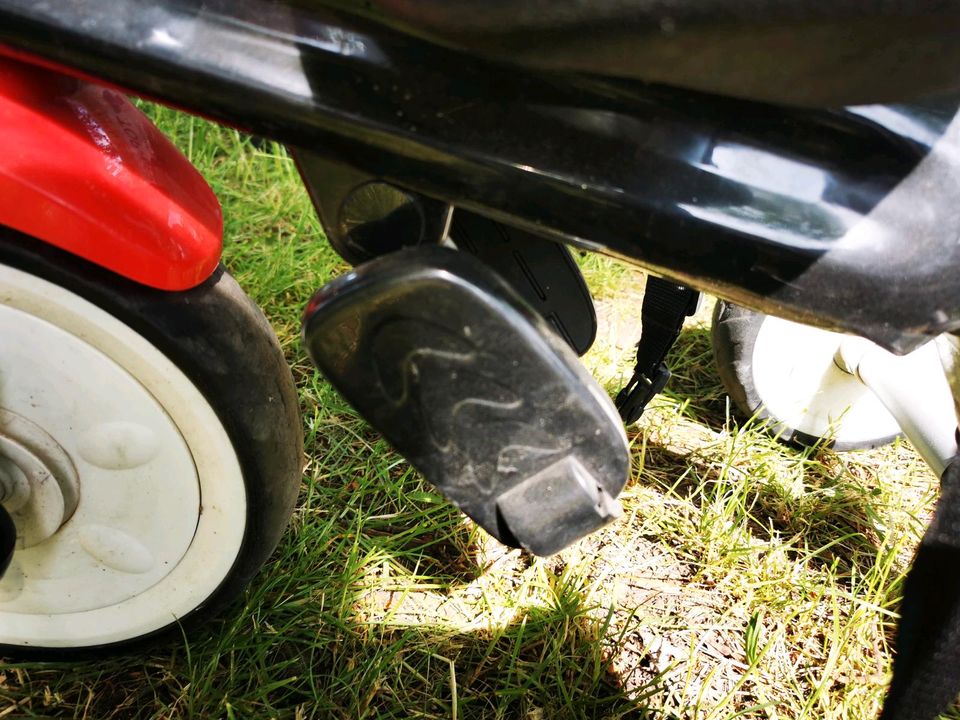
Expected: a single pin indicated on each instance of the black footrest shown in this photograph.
(476, 391)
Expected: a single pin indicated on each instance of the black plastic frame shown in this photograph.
(848, 219)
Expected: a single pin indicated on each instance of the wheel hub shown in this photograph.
(806, 379)
(39, 485)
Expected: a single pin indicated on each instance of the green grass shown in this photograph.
(746, 579)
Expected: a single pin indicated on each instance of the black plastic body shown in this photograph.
(473, 387)
(843, 218)
(814, 52)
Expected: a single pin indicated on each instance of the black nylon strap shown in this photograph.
(665, 305)
(926, 671)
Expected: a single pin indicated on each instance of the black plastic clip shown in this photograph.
(634, 398)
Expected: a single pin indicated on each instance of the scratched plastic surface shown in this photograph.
(476, 391)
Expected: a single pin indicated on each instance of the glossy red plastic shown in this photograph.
(83, 169)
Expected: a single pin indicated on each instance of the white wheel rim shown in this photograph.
(801, 386)
(162, 505)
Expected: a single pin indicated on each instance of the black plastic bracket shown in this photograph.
(469, 383)
(542, 271)
(364, 216)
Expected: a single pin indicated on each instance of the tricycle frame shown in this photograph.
(833, 217)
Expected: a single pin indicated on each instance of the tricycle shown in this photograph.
(798, 161)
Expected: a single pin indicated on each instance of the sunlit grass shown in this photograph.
(745, 579)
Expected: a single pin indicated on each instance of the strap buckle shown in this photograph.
(634, 398)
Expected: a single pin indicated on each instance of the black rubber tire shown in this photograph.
(222, 342)
(733, 335)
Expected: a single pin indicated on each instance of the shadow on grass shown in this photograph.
(302, 645)
(422, 619)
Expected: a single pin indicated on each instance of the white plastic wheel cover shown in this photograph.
(162, 505)
(801, 386)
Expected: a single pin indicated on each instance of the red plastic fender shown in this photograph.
(83, 169)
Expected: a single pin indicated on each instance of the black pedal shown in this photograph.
(542, 271)
(472, 386)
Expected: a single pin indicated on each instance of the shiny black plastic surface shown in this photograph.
(847, 219)
(813, 52)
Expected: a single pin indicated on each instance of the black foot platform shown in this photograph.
(475, 389)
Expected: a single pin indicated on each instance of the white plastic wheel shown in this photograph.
(150, 452)
(161, 509)
(785, 372)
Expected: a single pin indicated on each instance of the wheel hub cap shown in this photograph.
(39, 485)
